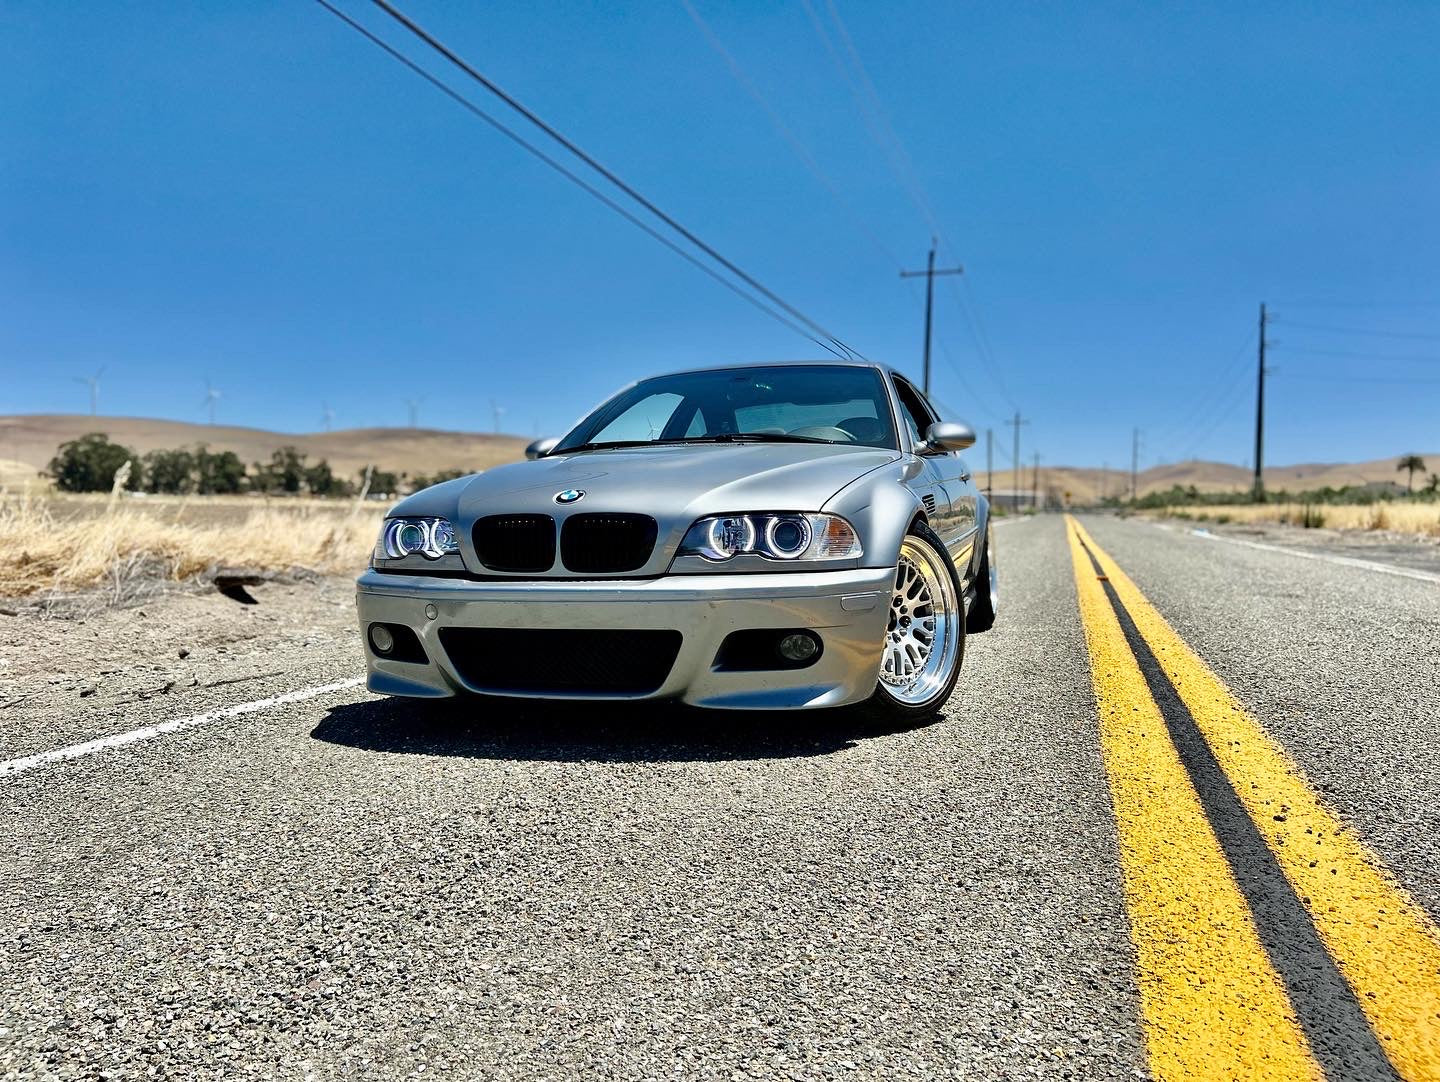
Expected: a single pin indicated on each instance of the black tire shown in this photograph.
(891, 705)
(987, 591)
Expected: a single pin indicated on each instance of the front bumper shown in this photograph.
(847, 609)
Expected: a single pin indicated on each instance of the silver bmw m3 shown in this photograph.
(783, 536)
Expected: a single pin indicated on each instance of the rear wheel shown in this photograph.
(925, 636)
(981, 616)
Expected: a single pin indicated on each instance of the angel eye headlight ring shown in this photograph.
(787, 537)
(780, 536)
(428, 537)
(728, 535)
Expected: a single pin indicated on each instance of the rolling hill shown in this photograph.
(28, 441)
(1087, 485)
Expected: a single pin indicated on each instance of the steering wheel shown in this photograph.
(824, 432)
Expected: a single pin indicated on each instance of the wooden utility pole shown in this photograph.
(989, 462)
(1035, 484)
(1016, 471)
(929, 274)
(1259, 489)
(1134, 465)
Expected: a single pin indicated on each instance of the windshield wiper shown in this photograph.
(604, 445)
(752, 437)
(723, 437)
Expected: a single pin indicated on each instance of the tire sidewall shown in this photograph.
(981, 616)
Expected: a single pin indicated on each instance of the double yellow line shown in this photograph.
(1229, 988)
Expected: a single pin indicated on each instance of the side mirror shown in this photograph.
(541, 448)
(950, 436)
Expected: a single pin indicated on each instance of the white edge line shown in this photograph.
(11, 767)
(1324, 557)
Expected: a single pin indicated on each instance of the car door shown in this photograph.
(957, 497)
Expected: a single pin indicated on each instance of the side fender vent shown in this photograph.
(929, 501)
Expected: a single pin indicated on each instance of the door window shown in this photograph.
(916, 413)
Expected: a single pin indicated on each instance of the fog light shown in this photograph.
(380, 639)
(800, 646)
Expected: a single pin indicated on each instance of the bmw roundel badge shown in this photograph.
(570, 495)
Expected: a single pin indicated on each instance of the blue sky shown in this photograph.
(253, 193)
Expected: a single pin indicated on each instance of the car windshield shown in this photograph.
(821, 403)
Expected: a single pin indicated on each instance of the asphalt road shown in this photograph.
(343, 887)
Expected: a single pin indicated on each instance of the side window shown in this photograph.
(916, 414)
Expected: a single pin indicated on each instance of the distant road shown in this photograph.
(1182, 817)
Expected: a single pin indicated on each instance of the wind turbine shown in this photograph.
(211, 397)
(327, 415)
(413, 405)
(497, 412)
(93, 382)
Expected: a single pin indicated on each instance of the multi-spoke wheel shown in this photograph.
(925, 635)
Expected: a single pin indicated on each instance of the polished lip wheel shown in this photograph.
(921, 638)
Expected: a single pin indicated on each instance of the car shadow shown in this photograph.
(526, 730)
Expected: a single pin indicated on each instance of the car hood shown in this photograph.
(662, 480)
(673, 479)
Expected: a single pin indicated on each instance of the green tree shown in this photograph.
(321, 481)
(170, 471)
(89, 464)
(1413, 464)
(221, 472)
(382, 482)
(284, 473)
(1432, 486)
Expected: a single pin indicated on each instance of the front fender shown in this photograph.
(881, 507)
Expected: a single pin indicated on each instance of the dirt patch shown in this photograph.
(78, 675)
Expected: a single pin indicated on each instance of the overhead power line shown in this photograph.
(964, 297)
(840, 47)
(797, 145)
(808, 158)
(1399, 380)
(571, 176)
(1361, 356)
(1200, 420)
(1357, 330)
(589, 160)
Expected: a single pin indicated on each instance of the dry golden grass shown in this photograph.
(47, 545)
(1401, 517)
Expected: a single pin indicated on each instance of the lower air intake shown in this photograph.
(562, 661)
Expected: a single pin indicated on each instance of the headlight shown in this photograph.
(779, 536)
(430, 537)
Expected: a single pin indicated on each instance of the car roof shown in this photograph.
(829, 362)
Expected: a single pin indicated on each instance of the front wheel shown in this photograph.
(925, 636)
